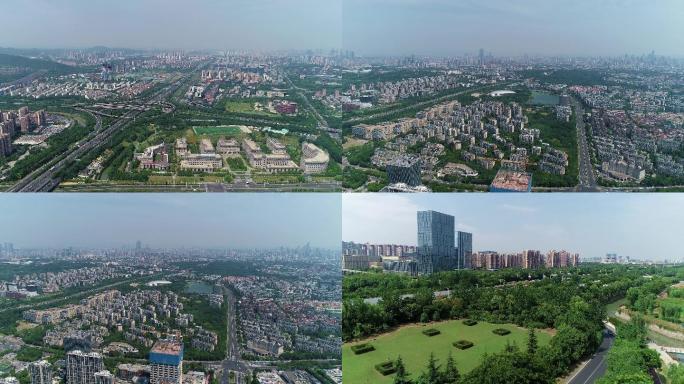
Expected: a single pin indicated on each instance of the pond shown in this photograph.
(543, 98)
(199, 287)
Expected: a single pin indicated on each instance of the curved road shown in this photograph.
(596, 367)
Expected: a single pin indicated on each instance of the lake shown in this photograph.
(199, 287)
(543, 98)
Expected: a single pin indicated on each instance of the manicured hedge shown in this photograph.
(463, 344)
(469, 322)
(431, 332)
(501, 331)
(386, 368)
(362, 348)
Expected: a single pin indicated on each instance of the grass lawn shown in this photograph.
(22, 325)
(414, 348)
(221, 130)
(276, 178)
(353, 142)
(246, 107)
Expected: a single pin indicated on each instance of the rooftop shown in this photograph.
(404, 161)
(512, 181)
(167, 347)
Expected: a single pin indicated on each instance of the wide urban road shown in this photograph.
(587, 178)
(321, 121)
(204, 187)
(596, 367)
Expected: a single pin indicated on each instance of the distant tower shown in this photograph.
(482, 57)
(138, 245)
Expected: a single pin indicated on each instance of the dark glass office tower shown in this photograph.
(436, 243)
(464, 249)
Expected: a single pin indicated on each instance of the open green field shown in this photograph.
(169, 180)
(221, 130)
(671, 309)
(415, 347)
(276, 178)
(246, 107)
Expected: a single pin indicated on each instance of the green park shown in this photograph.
(414, 347)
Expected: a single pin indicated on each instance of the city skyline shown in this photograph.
(591, 225)
(171, 221)
(398, 27)
(533, 27)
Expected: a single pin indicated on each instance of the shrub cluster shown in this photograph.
(463, 344)
(386, 368)
(362, 348)
(431, 332)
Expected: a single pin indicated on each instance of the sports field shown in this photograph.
(415, 347)
(225, 130)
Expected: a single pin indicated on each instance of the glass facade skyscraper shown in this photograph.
(405, 170)
(436, 243)
(464, 249)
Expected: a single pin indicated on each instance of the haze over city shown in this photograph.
(368, 27)
(643, 226)
(226, 221)
(175, 24)
(534, 27)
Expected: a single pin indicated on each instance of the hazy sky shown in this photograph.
(171, 220)
(647, 226)
(369, 27)
(206, 24)
(444, 27)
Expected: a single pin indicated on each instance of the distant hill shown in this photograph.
(34, 64)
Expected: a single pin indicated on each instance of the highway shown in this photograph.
(44, 179)
(23, 184)
(233, 362)
(232, 347)
(596, 367)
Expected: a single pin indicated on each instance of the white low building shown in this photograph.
(314, 159)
